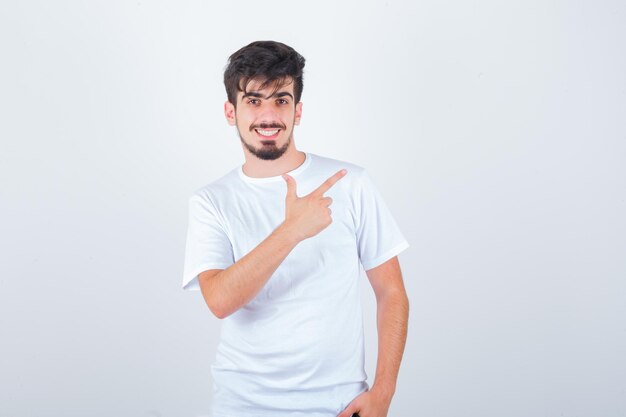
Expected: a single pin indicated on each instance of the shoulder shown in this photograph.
(216, 189)
(326, 167)
(324, 161)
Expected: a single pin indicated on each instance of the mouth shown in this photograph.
(267, 133)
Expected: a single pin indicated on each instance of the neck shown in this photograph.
(259, 168)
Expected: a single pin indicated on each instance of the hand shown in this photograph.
(307, 216)
(368, 404)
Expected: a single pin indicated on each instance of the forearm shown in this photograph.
(392, 323)
(238, 284)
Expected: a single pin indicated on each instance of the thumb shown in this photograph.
(291, 187)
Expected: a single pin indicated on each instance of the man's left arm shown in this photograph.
(392, 307)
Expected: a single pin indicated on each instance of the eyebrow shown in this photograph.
(259, 95)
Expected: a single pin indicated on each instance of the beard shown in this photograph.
(268, 151)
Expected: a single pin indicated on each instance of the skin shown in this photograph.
(225, 291)
(392, 309)
(261, 108)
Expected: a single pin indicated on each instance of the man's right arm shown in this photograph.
(227, 290)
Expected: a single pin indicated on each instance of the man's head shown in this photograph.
(273, 64)
(264, 84)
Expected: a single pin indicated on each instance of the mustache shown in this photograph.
(268, 126)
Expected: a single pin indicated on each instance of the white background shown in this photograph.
(494, 130)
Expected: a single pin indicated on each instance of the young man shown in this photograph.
(282, 269)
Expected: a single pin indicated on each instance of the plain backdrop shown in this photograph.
(494, 130)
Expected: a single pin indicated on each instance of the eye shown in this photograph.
(282, 101)
(254, 101)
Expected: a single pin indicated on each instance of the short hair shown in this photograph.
(269, 62)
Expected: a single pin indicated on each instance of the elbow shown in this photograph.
(395, 296)
(402, 300)
(405, 300)
(220, 314)
(211, 296)
(398, 299)
(219, 306)
(217, 309)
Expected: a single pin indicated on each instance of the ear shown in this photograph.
(230, 112)
(298, 113)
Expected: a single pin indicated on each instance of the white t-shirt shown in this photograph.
(296, 349)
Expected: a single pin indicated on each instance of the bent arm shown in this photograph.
(227, 290)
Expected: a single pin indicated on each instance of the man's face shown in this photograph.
(265, 119)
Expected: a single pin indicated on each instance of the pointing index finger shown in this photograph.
(330, 182)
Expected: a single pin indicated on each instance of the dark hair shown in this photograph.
(269, 62)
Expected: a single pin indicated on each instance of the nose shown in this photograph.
(267, 113)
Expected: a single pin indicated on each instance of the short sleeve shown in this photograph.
(208, 246)
(378, 236)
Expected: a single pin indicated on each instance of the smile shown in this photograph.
(267, 133)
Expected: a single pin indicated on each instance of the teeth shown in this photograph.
(267, 132)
